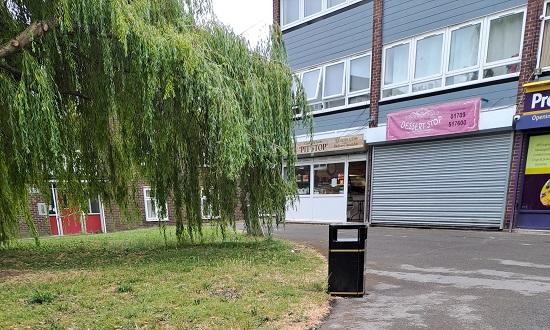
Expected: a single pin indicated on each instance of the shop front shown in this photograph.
(435, 167)
(534, 194)
(331, 180)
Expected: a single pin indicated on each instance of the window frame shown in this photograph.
(494, 64)
(90, 206)
(384, 50)
(348, 76)
(544, 18)
(145, 198)
(320, 69)
(482, 64)
(346, 95)
(325, 9)
(343, 89)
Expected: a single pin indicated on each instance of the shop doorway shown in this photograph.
(357, 179)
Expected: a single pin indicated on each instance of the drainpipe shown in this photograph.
(519, 163)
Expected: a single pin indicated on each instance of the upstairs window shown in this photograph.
(483, 49)
(290, 11)
(312, 7)
(297, 11)
(544, 48)
(339, 84)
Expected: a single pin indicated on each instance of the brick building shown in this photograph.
(414, 105)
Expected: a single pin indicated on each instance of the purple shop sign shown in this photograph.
(536, 101)
(434, 120)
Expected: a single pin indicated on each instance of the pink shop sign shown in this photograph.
(441, 119)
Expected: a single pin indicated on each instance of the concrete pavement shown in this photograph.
(444, 279)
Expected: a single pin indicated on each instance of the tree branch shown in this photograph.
(13, 71)
(76, 94)
(33, 31)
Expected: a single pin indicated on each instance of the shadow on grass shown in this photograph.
(135, 248)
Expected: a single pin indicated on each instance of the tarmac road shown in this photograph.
(444, 279)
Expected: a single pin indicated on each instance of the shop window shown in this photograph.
(334, 80)
(151, 210)
(536, 186)
(303, 179)
(328, 179)
(95, 207)
(544, 49)
(291, 11)
(312, 7)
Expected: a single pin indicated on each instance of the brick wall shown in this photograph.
(276, 11)
(41, 222)
(376, 76)
(528, 65)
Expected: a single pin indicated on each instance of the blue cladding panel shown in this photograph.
(404, 19)
(336, 121)
(497, 95)
(330, 37)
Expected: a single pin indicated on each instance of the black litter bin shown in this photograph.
(346, 259)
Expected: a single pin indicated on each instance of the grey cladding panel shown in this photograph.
(495, 96)
(332, 37)
(336, 121)
(404, 19)
(451, 182)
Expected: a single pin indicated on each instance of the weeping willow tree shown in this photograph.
(99, 94)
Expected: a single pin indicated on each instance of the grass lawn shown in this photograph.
(135, 279)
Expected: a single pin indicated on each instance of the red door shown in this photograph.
(93, 224)
(70, 220)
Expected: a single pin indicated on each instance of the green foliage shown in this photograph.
(41, 297)
(118, 91)
(239, 282)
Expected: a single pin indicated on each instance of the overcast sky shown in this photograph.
(251, 18)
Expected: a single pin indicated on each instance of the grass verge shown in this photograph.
(136, 279)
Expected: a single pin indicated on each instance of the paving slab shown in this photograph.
(443, 279)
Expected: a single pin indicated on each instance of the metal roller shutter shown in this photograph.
(454, 182)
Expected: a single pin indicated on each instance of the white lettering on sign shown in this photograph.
(540, 117)
(539, 99)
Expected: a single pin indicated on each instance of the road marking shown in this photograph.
(521, 264)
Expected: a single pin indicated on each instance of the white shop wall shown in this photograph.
(315, 205)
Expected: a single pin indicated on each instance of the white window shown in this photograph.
(338, 84)
(151, 210)
(206, 209)
(429, 53)
(312, 7)
(312, 81)
(332, 3)
(294, 12)
(544, 47)
(94, 206)
(505, 37)
(479, 50)
(290, 11)
(396, 70)
(334, 80)
(359, 74)
(464, 52)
